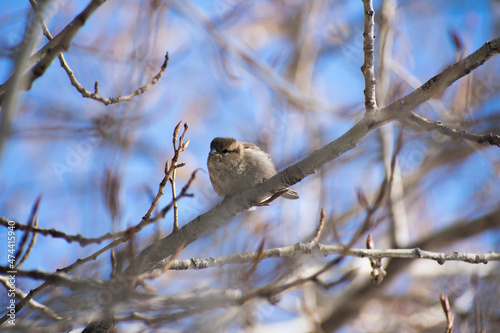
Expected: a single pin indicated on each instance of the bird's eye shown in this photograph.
(225, 151)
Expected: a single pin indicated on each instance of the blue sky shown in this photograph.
(123, 45)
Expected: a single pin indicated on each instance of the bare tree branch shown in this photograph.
(20, 258)
(111, 100)
(368, 68)
(310, 248)
(447, 312)
(319, 230)
(95, 95)
(456, 134)
(62, 278)
(30, 245)
(59, 234)
(178, 148)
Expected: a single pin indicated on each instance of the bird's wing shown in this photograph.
(248, 145)
(252, 147)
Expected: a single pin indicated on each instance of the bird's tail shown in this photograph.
(292, 195)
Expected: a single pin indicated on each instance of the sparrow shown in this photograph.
(236, 166)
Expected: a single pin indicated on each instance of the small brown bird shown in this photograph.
(236, 166)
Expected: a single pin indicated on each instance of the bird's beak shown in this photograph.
(214, 153)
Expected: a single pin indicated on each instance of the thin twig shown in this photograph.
(30, 246)
(174, 198)
(111, 100)
(65, 279)
(181, 195)
(309, 248)
(170, 168)
(179, 146)
(19, 255)
(45, 30)
(59, 234)
(378, 272)
(368, 68)
(349, 275)
(271, 291)
(368, 223)
(321, 225)
(172, 177)
(95, 95)
(246, 275)
(370, 210)
(396, 209)
(447, 312)
(332, 263)
(113, 264)
(151, 275)
(158, 194)
(395, 155)
(456, 134)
